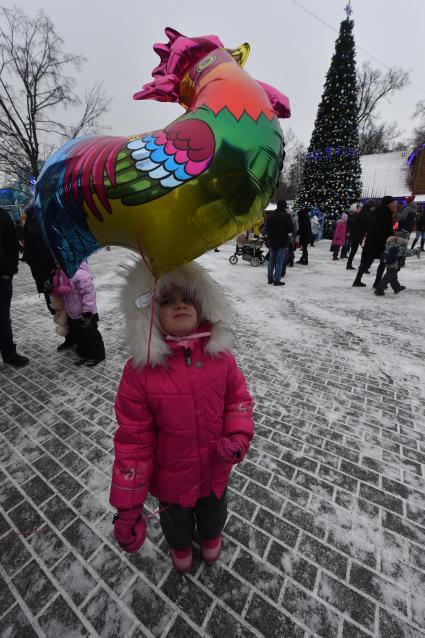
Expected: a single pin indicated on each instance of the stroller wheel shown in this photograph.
(255, 261)
(262, 259)
(233, 259)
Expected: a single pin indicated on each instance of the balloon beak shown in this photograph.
(241, 53)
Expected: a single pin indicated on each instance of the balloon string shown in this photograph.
(142, 255)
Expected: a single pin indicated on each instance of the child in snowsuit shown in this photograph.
(394, 256)
(79, 297)
(338, 238)
(183, 410)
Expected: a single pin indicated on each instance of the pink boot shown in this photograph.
(211, 549)
(182, 559)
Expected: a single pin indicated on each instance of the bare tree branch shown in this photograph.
(95, 104)
(291, 174)
(34, 82)
(373, 86)
(418, 136)
(379, 138)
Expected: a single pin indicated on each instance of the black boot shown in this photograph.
(358, 281)
(81, 361)
(64, 345)
(16, 359)
(422, 244)
(94, 362)
(414, 243)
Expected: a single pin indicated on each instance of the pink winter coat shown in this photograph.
(339, 233)
(78, 292)
(170, 420)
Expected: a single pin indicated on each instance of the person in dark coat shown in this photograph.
(407, 215)
(306, 236)
(420, 230)
(279, 226)
(9, 257)
(37, 254)
(381, 227)
(360, 223)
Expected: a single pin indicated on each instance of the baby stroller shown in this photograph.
(249, 250)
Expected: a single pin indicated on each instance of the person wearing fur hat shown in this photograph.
(380, 228)
(183, 410)
(394, 257)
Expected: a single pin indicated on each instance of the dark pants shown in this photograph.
(345, 249)
(178, 523)
(7, 347)
(390, 277)
(335, 251)
(304, 255)
(379, 272)
(290, 257)
(73, 330)
(365, 263)
(89, 340)
(48, 302)
(354, 248)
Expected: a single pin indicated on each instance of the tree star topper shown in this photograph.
(348, 10)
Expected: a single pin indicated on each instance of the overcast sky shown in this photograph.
(289, 48)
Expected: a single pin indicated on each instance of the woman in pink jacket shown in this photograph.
(183, 410)
(338, 238)
(79, 298)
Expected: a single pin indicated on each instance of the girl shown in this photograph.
(79, 297)
(183, 410)
(338, 238)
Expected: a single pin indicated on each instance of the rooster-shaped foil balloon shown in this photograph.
(174, 193)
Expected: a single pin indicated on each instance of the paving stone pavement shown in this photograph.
(326, 529)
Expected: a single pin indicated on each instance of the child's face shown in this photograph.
(177, 313)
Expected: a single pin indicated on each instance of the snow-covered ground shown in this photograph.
(326, 529)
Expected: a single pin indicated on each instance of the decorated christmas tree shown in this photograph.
(331, 176)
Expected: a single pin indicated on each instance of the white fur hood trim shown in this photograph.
(207, 294)
(393, 239)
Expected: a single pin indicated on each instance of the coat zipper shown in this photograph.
(187, 357)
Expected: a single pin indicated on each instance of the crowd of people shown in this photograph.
(382, 229)
(73, 297)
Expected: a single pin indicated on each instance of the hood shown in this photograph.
(136, 297)
(400, 241)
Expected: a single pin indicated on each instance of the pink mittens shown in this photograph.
(232, 449)
(130, 530)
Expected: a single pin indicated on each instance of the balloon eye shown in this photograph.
(205, 63)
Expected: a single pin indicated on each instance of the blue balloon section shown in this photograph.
(63, 223)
